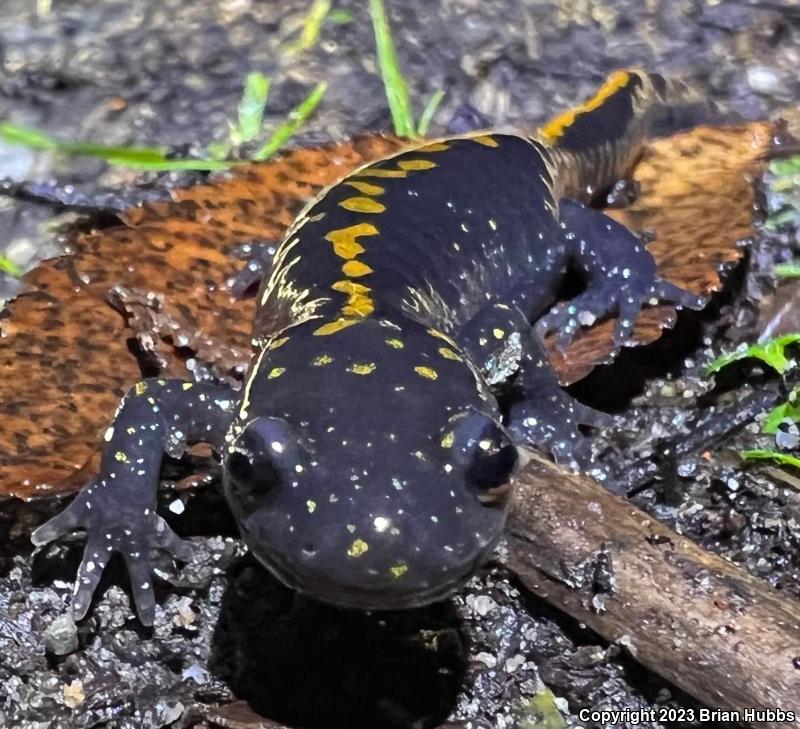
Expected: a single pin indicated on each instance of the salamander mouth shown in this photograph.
(300, 578)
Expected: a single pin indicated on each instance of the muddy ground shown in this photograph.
(169, 72)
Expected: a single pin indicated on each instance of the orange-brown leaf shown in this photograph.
(68, 354)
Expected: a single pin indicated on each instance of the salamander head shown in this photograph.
(373, 471)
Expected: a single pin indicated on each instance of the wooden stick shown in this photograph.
(707, 626)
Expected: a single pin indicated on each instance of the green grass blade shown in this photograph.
(393, 81)
(788, 270)
(340, 16)
(26, 137)
(8, 266)
(251, 107)
(115, 155)
(297, 117)
(426, 117)
(784, 459)
(35, 139)
(141, 158)
(312, 26)
(174, 165)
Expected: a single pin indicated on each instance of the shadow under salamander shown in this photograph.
(305, 664)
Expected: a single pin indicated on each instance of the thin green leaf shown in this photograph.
(772, 353)
(31, 138)
(297, 117)
(35, 139)
(251, 107)
(170, 165)
(393, 81)
(141, 158)
(427, 113)
(311, 26)
(784, 459)
(8, 266)
(788, 270)
(115, 155)
(340, 16)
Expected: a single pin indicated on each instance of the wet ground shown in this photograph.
(169, 72)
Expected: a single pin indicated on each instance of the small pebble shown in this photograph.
(61, 636)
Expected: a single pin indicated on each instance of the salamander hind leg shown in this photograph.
(622, 277)
(539, 411)
(118, 508)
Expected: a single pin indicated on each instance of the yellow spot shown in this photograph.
(492, 224)
(398, 570)
(448, 353)
(359, 303)
(121, 457)
(377, 172)
(364, 368)
(322, 360)
(426, 372)
(448, 440)
(498, 333)
(362, 205)
(366, 188)
(140, 388)
(359, 306)
(275, 372)
(275, 343)
(485, 140)
(394, 343)
(556, 127)
(416, 164)
(434, 147)
(351, 528)
(357, 548)
(311, 506)
(130, 431)
(350, 287)
(354, 269)
(186, 386)
(161, 382)
(344, 239)
(334, 326)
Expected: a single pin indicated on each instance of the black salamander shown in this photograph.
(367, 457)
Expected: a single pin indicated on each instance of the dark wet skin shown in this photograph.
(366, 459)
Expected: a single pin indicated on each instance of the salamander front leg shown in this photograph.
(622, 277)
(514, 362)
(118, 508)
(258, 256)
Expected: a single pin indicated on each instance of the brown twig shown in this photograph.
(707, 626)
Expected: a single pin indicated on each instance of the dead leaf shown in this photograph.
(68, 356)
(154, 286)
(697, 200)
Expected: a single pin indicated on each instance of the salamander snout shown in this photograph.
(382, 529)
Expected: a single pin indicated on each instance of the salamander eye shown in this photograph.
(262, 456)
(493, 462)
(483, 448)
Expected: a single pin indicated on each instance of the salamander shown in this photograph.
(398, 363)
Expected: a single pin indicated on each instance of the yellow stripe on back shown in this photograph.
(555, 128)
